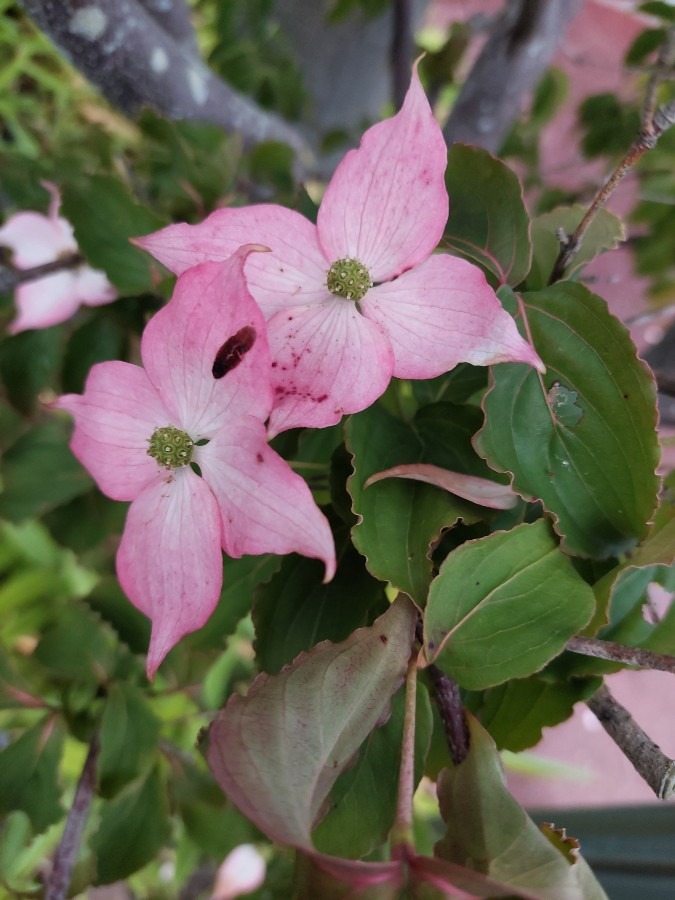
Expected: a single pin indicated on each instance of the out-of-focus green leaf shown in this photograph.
(28, 364)
(104, 216)
(132, 830)
(488, 222)
(129, 736)
(101, 338)
(503, 606)
(77, 646)
(40, 473)
(29, 775)
(582, 437)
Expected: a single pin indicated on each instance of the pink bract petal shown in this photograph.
(386, 204)
(443, 313)
(93, 287)
(294, 272)
(328, 361)
(45, 302)
(265, 506)
(114, 420)
(169, 561)
(35, 239)
(211, 314)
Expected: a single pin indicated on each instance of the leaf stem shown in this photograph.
(69, 845)
(401, 836)
(620, 653)
(645, 756)
(654, 122)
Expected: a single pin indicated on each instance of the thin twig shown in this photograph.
(66, 853)
(620, 653)
(645, 756)
(654, 123)
(12, 278)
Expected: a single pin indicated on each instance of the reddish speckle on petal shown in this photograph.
(259, 457)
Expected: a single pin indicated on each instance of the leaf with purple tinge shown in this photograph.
(487, 829)
(278, 751)
(475, 490)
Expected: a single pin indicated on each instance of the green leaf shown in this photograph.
(129, 738)
(104, 216)
(605, 232)
(399, 520)
(488, 831)
(501, 607)
(644, 45)
(455, 386)
(488, 222)
(295, 610)
(240, 579)
(278, 751)
(101, 338)
(78, 646)
(29, 775)
(28, 364)
(133, 829)
(659, 8)
(516, 712)
(595, 472)
(40, 473)
(363, 800)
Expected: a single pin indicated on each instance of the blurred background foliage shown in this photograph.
(72, 647)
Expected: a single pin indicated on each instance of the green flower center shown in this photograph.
(171, 447)
(349, 278)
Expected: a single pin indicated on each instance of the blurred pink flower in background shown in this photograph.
(242, 872)
(36, 239)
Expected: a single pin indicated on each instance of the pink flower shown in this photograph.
(203, 397)
(34, 240)
(242, 872)
(359, 297)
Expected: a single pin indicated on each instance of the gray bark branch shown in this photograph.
(143, 54)
(516, 55)
(646, 757)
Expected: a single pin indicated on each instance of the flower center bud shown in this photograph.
(349, 278)
(171, 447)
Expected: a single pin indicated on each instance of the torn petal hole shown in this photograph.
(233, 351)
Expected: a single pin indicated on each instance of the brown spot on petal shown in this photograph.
(233, 351)
(259, 457)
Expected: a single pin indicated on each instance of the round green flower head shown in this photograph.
(171, 447)
(349, 278)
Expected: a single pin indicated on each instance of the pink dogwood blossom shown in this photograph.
(360, 297)
(203, 398)
(36, 239)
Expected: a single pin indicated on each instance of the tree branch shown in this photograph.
(620, 653)
(645, 756)
(516, 55)
(66, 853)
(131, 50)
(401, 50)
(654, 123)
(12, 278)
